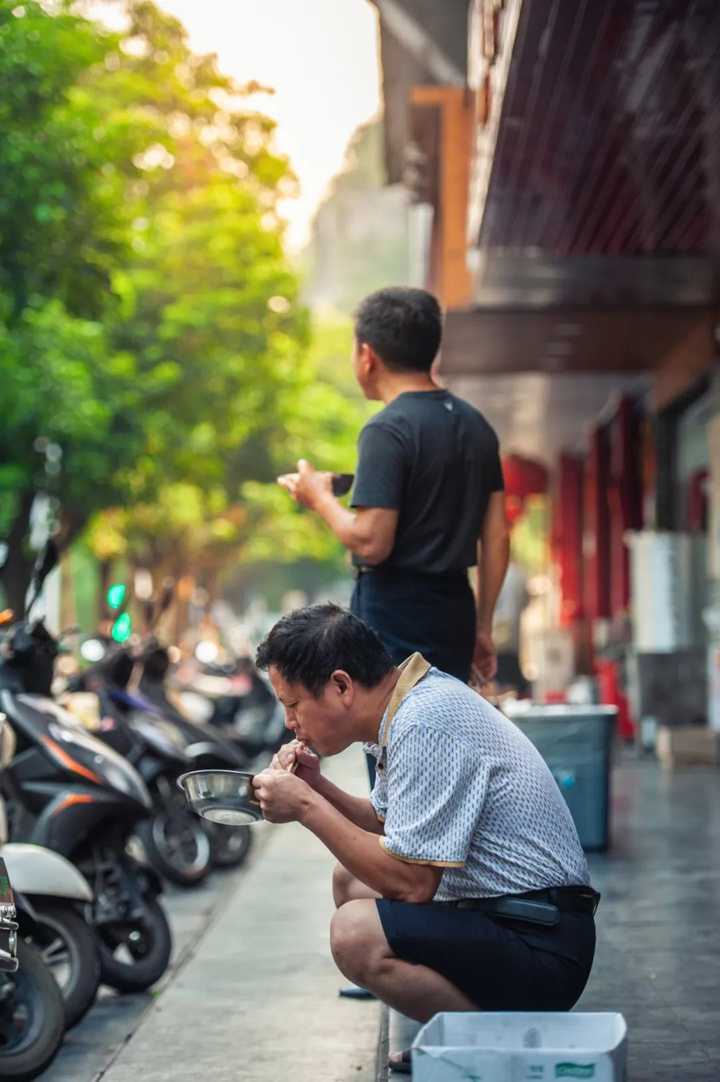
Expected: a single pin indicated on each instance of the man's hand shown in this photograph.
(283, 797)
(308, 486)
(484, 658)
(299, 755)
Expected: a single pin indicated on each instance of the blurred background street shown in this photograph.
(194, 198)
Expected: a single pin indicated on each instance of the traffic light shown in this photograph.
(116, 595)
(116, 598)
(122, 628)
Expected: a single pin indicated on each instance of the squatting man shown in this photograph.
(461, 884)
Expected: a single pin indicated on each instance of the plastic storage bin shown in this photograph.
(576, 743)
(521, 1047)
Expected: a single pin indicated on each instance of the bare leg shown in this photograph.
(346, 888)
(363, 954)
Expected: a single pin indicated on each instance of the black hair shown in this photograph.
(308, 645)
(403, 326)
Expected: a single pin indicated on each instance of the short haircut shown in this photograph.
(403, 326)
(308, 645)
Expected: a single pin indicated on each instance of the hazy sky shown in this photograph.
(321, 58)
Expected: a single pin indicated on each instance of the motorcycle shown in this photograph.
(32, 1015)
(173, 840)
(51, 897)
(237, 702)
(70, 792)
(143, 707)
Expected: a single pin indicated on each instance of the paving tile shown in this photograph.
(263, 970)
(658, 954)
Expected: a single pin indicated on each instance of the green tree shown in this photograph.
(142, 278)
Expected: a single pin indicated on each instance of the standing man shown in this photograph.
(427, 502)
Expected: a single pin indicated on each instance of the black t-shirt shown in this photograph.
(435, 459)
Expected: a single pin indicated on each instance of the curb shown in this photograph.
(382, 1049)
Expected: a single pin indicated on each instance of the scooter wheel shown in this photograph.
(32, 1017)
(230, 845)
(135, 953)
(177, 847)
(69, 950)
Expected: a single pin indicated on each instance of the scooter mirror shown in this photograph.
(48, 559)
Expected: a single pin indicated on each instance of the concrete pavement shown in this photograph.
(658, 951)
(257, 1000)
(254, 997)
(91, 1046)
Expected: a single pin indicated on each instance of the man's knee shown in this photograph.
(341, 885)
(356, 939)
(347, 888)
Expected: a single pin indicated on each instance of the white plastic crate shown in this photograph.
(521, 1047)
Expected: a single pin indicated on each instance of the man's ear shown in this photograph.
(342, 685)
(370, 359)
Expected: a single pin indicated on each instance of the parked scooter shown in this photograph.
(68, 791)
(51, 898)
(32, 1015)
(174, 843)
(239, 703)
(143, 707)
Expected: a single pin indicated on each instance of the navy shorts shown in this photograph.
(434, 614)
(500, 965)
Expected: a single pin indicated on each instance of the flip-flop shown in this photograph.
(400, 1062)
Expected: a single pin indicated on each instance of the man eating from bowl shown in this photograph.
(461, 884)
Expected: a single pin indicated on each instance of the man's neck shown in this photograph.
(392, 384)
(374, 706)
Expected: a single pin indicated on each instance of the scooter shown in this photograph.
(69, 792)
(130, 685)
(32, 1015)
(51, 898)
(238, 703)
(175, 842)
(206, 748)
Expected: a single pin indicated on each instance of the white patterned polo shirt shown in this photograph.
(461, 787)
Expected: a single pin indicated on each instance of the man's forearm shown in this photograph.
(492, 566)
(341, 521)
(357, 809)
(361, 854)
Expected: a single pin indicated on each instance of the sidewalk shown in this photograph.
(658, 947)
(258, 998)
(92, 1045)
(658, 955)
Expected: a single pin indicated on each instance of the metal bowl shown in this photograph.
(222, 796)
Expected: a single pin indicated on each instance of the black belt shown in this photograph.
(453, 577)
(533, 906)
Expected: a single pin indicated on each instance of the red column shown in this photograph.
(596, 537)
(567, 535)
(625, 498)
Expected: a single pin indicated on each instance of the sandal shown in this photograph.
(400, 1062)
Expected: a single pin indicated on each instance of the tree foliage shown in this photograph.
(151, 339)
